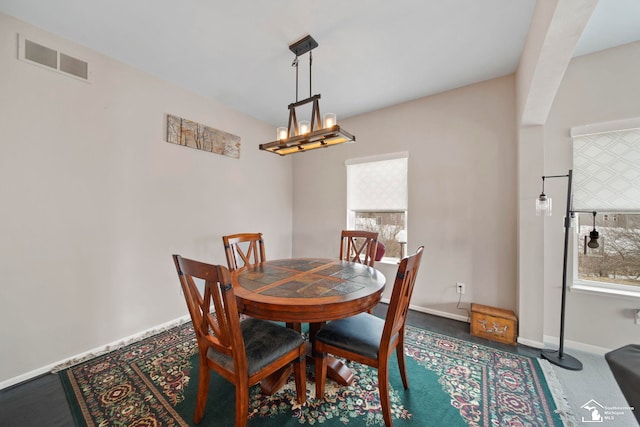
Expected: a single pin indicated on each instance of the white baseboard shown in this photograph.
(531, 343)
(549, 342)
(26, 376)
(555, 342)
(93, 352)
(434, 312)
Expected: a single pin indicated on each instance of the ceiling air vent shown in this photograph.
(38, 54)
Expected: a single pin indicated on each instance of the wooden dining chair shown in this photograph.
(359, 246)
(243, 353)
(243, 249)
(369, 340)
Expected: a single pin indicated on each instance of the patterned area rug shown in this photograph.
(452, 382)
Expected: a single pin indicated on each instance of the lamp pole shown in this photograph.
(558, 357)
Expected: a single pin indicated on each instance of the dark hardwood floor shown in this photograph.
(42, 402)
(458, 329)
(37, 402)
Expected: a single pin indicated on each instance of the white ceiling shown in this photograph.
(371, 53)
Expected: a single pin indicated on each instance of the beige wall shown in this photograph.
(531, 268)
(596, 88)
(94, 201)
(462, 191)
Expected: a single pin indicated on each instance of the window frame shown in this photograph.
(595, 287)
(351, 213)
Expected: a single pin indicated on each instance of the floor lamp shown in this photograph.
(543, 205)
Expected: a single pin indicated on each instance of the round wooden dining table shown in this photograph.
(307, 290)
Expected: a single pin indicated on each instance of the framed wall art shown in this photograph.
(201, 137)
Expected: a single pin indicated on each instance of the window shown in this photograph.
(377, 198)
(606, 163)
(617, 258)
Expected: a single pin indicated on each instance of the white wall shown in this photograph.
(94, 201)
(462, 191)
(599, 87)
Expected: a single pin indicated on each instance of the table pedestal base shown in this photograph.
(275, 381)
(336, 370)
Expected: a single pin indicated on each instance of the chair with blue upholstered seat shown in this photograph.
(244, 353)
(369, 340)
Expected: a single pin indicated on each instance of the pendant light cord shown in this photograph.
(310, 61)
(295, 64)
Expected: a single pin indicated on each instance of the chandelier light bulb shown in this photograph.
(282, 133)
(305, 127)
(330, 120)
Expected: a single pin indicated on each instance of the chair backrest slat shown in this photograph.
(243, 249)
(214, 312)
(401, 295)
(359, 246)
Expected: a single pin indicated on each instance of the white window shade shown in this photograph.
(377, 185)
(606, 171)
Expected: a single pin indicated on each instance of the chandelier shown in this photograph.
(305, 135)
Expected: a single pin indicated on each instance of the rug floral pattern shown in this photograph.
(489, 387)
(112, 390)
(141, 385)
(359, 400)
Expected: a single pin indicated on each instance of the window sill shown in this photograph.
(390, 261)
(581, 287)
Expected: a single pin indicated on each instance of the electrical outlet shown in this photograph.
(637, 317)
(460, 288)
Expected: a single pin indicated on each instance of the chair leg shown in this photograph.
(401, 360)
(320, 361)
(242, 403)
(383, 388)
(299, 369)
(203, 391)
